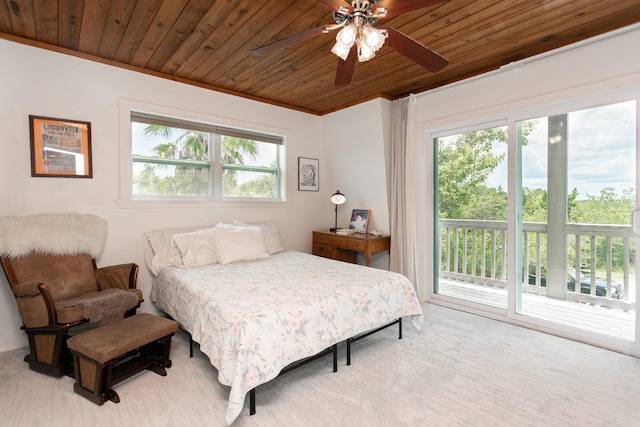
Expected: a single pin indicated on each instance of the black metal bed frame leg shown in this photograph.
(335, 358)
(333, 349)
(252, 401)
(188, 333)
(366, 334)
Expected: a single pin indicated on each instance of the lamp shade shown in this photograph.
(338, 198)
(347, 36)
(341, 51)
(344, 40)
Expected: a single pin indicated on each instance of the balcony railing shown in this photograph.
(475, 251)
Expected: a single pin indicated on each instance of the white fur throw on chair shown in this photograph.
(55, 234)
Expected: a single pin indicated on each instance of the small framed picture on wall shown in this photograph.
(308, 175)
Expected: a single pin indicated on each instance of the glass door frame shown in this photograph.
(491, 311)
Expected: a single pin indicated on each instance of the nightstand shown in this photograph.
(344, 247)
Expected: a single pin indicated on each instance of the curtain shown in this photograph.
(408, 197)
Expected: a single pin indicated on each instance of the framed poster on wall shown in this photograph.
(60, 148)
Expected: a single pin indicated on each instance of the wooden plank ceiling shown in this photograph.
(208, 43)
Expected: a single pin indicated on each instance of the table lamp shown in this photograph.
(337, 198)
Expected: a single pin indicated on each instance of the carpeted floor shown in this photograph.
(460, 370)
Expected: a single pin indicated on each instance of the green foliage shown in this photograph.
(464, 164)
(234, 149)
(189, 144)
(487, 203)
(605, 208)
(261, 187)
(534, 205)
(185, 182)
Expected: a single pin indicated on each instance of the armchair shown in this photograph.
(49, 262)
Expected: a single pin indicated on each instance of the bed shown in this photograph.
(253, 317)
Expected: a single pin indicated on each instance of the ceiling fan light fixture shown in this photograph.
(365, 52)
(341, 51)
(373, 37)
(346, 37)
(370, 40)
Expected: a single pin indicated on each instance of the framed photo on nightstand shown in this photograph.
(360, 220)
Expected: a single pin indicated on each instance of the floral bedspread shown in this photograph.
(254, 318)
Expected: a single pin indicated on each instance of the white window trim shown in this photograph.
(126, 199)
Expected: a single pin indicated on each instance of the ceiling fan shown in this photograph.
(359, 39)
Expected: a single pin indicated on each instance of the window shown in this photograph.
(174, 158)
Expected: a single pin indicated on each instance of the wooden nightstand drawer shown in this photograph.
(322, 250)
(358, 245)
(340, 242)
(321, 238)
(345, 247)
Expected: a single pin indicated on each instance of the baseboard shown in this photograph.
(14, 344)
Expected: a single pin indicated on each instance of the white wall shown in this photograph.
(607, 63)
(40, 82)
(356, 143)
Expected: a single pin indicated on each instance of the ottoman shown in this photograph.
(110, 354)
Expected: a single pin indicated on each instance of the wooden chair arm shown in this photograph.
(35, 304)
(48, 301)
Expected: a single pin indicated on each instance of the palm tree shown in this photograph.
(195, 146)
(189, 144)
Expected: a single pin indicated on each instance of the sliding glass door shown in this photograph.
(558, 188)
(578, 193)
(472, 215)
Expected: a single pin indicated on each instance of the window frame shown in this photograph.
(173, 117)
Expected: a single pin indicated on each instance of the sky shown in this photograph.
(601, 152)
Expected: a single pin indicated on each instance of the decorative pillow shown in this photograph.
(239, 243)
(196, 248)
(271, 234)
(158, 250)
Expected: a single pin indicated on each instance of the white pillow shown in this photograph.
(158, 249)
(196, 248)
(271, 234)
(239, 243)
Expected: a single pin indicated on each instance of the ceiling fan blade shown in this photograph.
(415, 51)
(287, 41)
(398, 7)
(346, 69)
(333, 4)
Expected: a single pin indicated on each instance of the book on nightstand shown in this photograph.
(345, 231)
